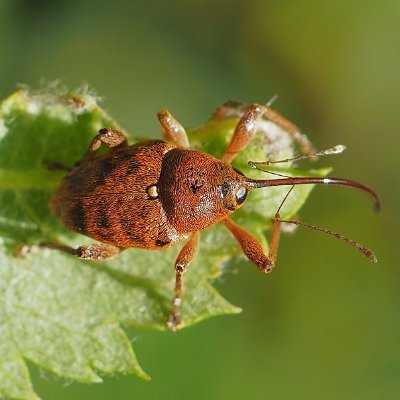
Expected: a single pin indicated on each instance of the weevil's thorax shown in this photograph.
(198, 190)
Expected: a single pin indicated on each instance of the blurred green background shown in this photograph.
(326, 323)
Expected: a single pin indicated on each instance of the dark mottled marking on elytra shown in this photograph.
(102, 218)
(76, 217)
(132, 168)
(161, 243)
(128, 230)
(107, 166)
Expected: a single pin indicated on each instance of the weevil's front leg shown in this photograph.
(95, 251)
(173, 130)
(244, 131)
(252, 248)
(112, 138)
(185, 257)
(247, 127)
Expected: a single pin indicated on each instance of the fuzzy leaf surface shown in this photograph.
(67, 315)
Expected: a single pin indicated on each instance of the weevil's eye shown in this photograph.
(241, 195)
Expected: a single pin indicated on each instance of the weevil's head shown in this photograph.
(198, 190)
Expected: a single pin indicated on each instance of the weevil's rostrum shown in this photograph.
(156, 193)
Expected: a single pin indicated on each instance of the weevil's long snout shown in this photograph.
(255, 184)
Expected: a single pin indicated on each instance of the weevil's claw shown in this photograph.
(24, 250)
(174, 321)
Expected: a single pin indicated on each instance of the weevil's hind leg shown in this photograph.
(112, 138)
(247, 127)
(252, 248)
(173, 130)
(185, 257)
(95, 251)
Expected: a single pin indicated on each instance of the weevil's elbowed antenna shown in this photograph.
(292, 181)
(255, 184)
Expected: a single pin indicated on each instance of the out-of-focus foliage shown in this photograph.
(325, 324)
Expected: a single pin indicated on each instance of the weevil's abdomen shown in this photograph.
(114, 198)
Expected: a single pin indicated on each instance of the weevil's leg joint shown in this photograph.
(252, 247)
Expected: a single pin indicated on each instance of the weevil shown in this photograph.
(157, 193)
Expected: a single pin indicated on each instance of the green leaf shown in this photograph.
(67, 315)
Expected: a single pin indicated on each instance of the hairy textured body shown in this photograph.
(154, 194)
(172, 192)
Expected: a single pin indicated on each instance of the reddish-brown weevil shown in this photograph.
(154, 194)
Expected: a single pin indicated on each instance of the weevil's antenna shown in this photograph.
(367, 252)
(256, 184)
(277, 213)
(333, 150)
(275, 173)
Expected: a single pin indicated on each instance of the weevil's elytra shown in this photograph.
(154, 194)
(110, 194)
(76, 215)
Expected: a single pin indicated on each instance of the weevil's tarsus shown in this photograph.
(331, 151)
(95, 251)
(185, 257)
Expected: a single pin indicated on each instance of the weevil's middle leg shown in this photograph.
(251, 246)
(246, 128)
(95, 251)
(185, 257)
(173, 130)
